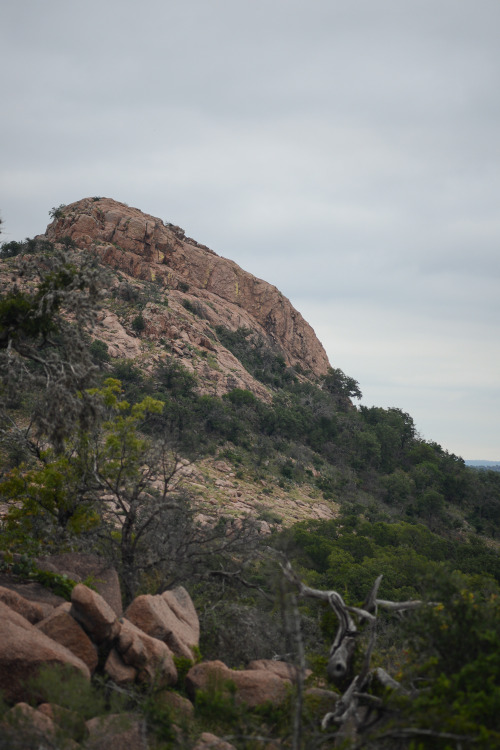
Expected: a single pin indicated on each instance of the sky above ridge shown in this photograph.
(347, 151)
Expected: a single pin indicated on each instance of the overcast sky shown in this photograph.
(347, 151)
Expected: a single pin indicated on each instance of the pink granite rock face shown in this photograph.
(23, 650)
(147, 249)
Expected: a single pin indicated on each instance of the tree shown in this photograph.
(121, 491)
(46, 315)
(150, 524)
(341, 385)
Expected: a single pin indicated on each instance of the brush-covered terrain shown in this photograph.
(166, 411)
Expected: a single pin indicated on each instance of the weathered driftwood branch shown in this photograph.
(355, 709)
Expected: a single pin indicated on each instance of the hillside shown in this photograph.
(245, 379)
(168, 412)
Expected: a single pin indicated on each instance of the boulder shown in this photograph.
(64, 629)
(69, 722)
(183, 608)
(176, 703)
(254, 687)
(94, 614)
(117, 731)
(81, 567)
(29, 725)
(34, 592)
(170, 617)
(23, 650)
(117, 670)
(151, 657)
(29, 610)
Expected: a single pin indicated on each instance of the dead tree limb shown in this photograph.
(355, 709)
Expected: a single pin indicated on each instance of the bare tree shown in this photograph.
(357, 710)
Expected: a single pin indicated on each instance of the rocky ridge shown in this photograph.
(189, 290)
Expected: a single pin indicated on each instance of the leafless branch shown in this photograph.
(347, 714)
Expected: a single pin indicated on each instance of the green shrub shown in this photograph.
(138, 323)
(217, 704)
(57, 212)
(68, 688)
(99, 351)
(183, 665)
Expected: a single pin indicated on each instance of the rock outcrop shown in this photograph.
(170, 617)
(64, 629)
(80, 633)
(86, 635)
(203, 290)
(253, 687)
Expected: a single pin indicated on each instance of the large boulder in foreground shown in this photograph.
(64, 629)
(254, 687)
(95, 615)
(170, 617)
(23, 650)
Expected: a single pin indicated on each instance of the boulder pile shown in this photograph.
(88, 635)
(86, 632)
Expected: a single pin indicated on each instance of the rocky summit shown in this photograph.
(189, 292)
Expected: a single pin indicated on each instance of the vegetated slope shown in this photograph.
(243, 376)
(270, 435)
